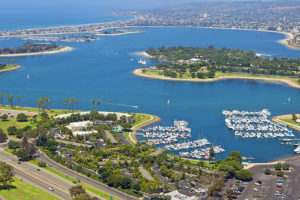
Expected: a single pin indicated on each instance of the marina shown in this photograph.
(254, 124)
(173, 138)
(202, 153)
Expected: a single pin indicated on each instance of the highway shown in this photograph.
(84, 179)
(41, 179)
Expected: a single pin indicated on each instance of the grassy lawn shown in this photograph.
(12, 122)
(23, 191)
(139, 118)
(9, 68)
(98, 192)
(51, 112)
(156, 73)
(290, 121)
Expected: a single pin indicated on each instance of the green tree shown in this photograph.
(285, 166)
(12, 130)
(1, 98)
(10, 99)
(6, 176)
(4, 117)
(21, 117)
(83, 196)
(211, 153)
(267, 171)
(294, 117)
(278, 166)
(125, 183)
(279, 173)
(76, 190)
(244, 175)
(18, 98)
(136, 188)
(13, 144)
(3, 136)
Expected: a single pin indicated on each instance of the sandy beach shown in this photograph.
(286, 40)
(138, 72)
(10, 69)
(143, 54)
(63, 49)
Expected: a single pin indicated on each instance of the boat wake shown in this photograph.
(124, 105)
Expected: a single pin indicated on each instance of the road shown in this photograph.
(84, 179)
(41, 179)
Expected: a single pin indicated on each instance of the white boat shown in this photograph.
(169, 101)
(143, 62)
(297, 150)
(27, 77)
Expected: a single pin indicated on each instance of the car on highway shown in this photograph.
(51, 189)
(256, 190)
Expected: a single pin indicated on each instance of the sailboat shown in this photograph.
(143, 62)
(169, 101)
(289, 99)
(27, 77)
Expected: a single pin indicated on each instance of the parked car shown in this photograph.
(51, 189)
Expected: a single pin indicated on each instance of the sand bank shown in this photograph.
(10, 69)
(63, 49)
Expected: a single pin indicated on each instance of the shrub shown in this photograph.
(42, 164)
(244, 175)
(280, 173)
(285, 166)
(278, 166)
(267, 171)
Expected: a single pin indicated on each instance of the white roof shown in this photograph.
(175, 195)
(100, 112)
(78, 124)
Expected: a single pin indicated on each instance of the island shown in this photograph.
(8, 67)
(30, 49)
(115, 32)
(213, 64)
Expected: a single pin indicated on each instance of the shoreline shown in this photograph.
(63, 49)
(138, 72)
(278, 119)
(11, 69)
(132, 135)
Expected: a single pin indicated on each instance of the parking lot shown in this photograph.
(272, 187)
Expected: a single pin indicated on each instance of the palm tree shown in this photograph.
(50, 103)
(98, 102)
(94, 102)
(64, 103)
(1, 98)
(18, 97)
(10, 99)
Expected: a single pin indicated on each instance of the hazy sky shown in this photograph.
(117, 4)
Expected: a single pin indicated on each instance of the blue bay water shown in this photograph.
(103, 69)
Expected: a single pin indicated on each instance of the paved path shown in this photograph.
(110, 137)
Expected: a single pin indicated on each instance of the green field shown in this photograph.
(290, 121)
(23, 191)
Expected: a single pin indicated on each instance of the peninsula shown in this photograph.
(212, 64)
(6, 67)
(290, 120)
(30, 49)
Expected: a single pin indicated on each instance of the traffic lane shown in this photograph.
(41, 179)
